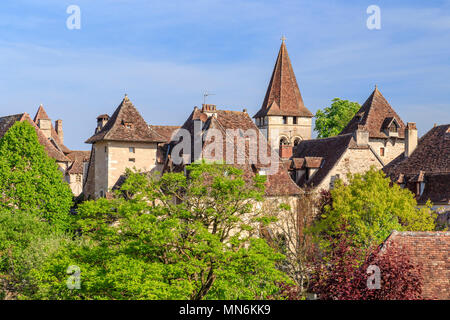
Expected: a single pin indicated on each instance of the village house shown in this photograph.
(71, 163)
(424, 168)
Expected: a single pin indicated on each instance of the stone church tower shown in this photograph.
(283, 117)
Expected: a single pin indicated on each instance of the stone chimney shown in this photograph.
(59, 130)
(362, 136)
(46, 127)
(101, 121)
(411, 138)
(209, 109)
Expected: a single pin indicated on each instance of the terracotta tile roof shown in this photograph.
(277, 184)
(7, 122)
(283, 97)
(429, 163)
(165, 131)
(430, 251)
(322, 152)
(375, 114)
(41, 114)
(126, 124)
(78, 158)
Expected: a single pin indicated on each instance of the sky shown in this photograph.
(166, 54)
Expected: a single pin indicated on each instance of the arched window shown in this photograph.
(284, 141)
(297, 141)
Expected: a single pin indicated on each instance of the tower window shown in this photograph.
(382, 151)
(284, 120)
(132, 150)
(132, 160)
(294, 120)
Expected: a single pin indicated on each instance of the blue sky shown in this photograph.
(165, 54)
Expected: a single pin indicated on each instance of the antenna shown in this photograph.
(206, 94)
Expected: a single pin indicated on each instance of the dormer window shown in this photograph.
(393, 127)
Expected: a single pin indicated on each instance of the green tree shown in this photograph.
(29, 179)
(173, 237)
(372, 208)
(333, 119)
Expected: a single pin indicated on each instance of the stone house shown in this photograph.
(386, 129)
(424, 168)
(283, 117)
(121, 141)
(72, 163)
(430, 251)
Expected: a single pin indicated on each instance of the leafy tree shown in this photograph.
(29, 179)
(372, 207)
(344, 273)
(333, 119)
(176, 237)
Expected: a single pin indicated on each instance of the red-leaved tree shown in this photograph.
(346, 273)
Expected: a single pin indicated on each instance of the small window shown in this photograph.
(78, 178)
(132, 150)
(382, 152)
(106, 149)
(132, 160)
(284, 120)
(294, 120)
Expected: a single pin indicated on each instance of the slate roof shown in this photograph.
(375, 114)
(116, 128)
(277, 184)
(283, 97)
(429, 163)
(430, 251)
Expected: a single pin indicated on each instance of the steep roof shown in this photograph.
(52, 151)
(431, 159)
(375, 114)
(126, 124)
(78, 158)
(430, 251)
(42, 114)
(283, 97)
(329, 150)
(277, 184)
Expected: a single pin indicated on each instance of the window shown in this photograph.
(102, 194)
(296, 141)
(132, 150)
(132, 160)
(78, 178)
(382, 151)
(294, 120)
(393, 128)
(284, 120)
(106, 149)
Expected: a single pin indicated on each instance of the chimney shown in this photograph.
(46, 127)
(101, 121)
(59, 130)
(411, 138)
(209, 109)
(362, 136)
(286, 151)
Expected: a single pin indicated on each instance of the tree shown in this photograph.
(333, 119)
(372, 207)
(29, 179)
(175, 237)
(346, 273)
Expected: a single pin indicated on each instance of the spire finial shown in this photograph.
(126, 97)
(376, 87)
(283, 38)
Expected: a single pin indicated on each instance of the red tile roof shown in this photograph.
(165, 131)
(375, 114)
(431, 252)
(126, 124)
(78, 158)
(283, 97)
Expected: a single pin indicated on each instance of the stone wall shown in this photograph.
(393, 147)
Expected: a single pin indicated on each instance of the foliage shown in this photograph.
(344, 273)
(372, 207)
(29, 179)
(333, 119)
(175, 237)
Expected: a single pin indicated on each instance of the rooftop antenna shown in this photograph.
(206, 94)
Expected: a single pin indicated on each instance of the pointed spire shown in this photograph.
(283, 96)
(40, 114)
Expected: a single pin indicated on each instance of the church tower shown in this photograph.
(283, 117)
